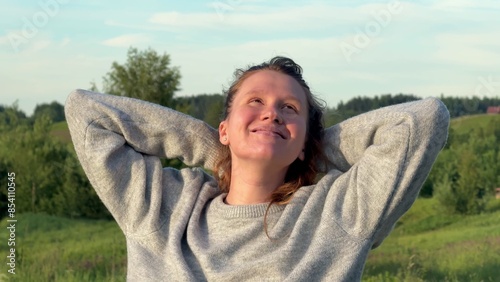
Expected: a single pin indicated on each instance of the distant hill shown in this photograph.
(61, 132)
(468, 123)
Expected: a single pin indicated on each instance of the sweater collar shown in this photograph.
(243, 211)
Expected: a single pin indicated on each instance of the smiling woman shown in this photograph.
(273, 126)
(263, 217)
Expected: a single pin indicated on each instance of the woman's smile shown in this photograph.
(269, 131)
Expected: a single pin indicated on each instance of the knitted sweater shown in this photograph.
(178, 228)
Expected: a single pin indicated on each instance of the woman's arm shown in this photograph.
(346, 143)
(148, 128)
(385, 156)
(119, 142)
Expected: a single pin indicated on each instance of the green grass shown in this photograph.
(426, 245)
(50, 248)
(468, 123)
(430, 246)
(61, 132)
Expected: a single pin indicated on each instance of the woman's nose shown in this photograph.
(273, 114)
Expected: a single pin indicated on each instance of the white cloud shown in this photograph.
(64, 42)
(188, 20)
(289, 19)
(209, 70)
(40, 45)
(48, 75)
(127, 40)
(14, 40)
(4, 40)
(465, 4)
(474, 50)
(325, 18)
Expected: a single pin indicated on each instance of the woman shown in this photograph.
(263, 219)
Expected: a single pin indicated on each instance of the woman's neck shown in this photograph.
(253, 183)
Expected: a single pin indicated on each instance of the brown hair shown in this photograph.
(300, 173)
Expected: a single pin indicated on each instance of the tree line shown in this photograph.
(50, 179)
(457, 106)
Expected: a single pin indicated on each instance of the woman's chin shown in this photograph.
(276, 156)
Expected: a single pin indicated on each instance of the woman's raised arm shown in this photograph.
(384, 156)
(148, 128)
(119, 142)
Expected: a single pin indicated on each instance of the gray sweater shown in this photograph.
(178, 228)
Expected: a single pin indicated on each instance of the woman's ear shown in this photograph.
(223, 133)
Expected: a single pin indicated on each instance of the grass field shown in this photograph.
(53, 248)
(61, 132)
(430, 246)
(468, 123)
(425, 246)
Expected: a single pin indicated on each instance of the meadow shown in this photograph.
(468, 123)
(426, 245)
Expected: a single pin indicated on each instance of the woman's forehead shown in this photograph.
(269, 82)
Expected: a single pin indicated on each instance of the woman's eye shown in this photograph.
(256, 101)
(290, 108)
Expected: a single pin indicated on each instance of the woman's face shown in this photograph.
(267, 120)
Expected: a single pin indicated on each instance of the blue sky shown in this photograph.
(346, 48)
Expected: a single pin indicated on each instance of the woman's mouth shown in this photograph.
(270, 131)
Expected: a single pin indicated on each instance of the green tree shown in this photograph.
(463, 191)
(54, 111)
(460, 106)
(213, 115)
(11, 116)
(359, 105)
(48, 177)
(467, 171)
(146, 75)
(207, 107)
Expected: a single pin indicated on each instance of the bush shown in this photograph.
(48, 176)
(467, 171)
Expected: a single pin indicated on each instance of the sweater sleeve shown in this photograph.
(119, 142)
(384, 157)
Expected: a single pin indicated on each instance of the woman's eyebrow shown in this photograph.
(264, 92)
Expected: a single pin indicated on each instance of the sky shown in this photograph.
(346, 48)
